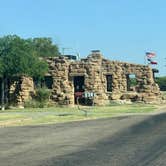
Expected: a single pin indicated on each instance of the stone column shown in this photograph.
(62, 92)
(26, 90)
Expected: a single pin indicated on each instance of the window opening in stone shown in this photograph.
(109, 83)
(47, 81)
(131, 82)
(154, 72)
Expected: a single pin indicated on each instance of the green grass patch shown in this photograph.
(36, 116)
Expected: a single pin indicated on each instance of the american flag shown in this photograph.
(150, 54)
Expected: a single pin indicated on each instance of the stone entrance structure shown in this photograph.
(108, 80)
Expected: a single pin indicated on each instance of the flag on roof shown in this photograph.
(150, 54)
(149, 59)
(153, 62)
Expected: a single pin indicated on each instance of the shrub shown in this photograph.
(32, 104)
(161, 81)
(42, 94)
(40, 100)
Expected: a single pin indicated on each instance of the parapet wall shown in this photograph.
(95, 69)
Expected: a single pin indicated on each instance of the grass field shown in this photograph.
(36, 116)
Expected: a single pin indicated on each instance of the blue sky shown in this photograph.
(122, 29)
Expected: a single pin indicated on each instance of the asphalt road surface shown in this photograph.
(123, 141)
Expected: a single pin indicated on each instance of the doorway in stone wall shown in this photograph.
(79, 88)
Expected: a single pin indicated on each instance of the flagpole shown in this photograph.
(145, 59)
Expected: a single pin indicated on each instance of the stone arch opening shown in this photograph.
(47, 82)
(79, 88)
(131, 82)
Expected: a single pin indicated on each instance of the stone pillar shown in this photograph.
(94, 80)
(26, 90)
(63, 91)
(151, 91)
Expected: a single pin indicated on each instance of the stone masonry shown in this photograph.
(95, 69)
(26, 90)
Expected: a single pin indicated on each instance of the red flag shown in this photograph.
(153, 63)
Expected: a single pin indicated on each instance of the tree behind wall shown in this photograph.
(44, 47)
(161, 81)
(17, 59)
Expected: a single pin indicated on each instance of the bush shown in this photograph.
(161, 81)
(40, 100)
(32, 104)
(42, 94)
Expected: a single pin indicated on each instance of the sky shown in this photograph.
(122, 29)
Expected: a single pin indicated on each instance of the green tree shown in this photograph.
(17, 59)
(44, 47)
(161, 81)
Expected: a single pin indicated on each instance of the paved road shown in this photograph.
(124, 141)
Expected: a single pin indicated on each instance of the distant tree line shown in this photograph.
(161, 81)
(20, 57)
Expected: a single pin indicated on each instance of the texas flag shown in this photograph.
(150, 54)
(151, 61)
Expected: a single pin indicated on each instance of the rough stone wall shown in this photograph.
(62, 89)
(94, 69)
(91, 69)
(146, 89)
(26, 90)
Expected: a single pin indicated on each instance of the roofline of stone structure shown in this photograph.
(124, 62)
(88, 57)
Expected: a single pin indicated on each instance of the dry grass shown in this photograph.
(36, 116)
